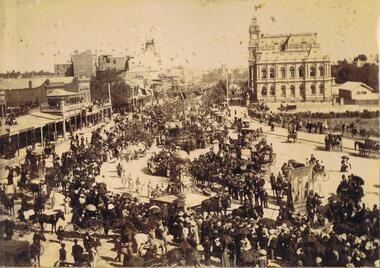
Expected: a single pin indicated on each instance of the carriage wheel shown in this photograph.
(96, 230)
(71, 229)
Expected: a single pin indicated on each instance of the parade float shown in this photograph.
(181, 191)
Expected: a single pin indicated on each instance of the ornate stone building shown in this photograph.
(287, 67)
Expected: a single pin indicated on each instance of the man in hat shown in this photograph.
(77, 253)
(9, 226)
(87, 242)
(62, 255)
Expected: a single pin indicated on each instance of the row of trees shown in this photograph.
(368, 73)
(14, 74)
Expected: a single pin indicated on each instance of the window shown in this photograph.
(264, 73)
(114, 61)
(272, 90)
(312, 71)
(292, 90)
(292, 72)
(302, 90)
(300, 71)
(313, 91)
(283, 91)
(264, 91)
(271, 73)
(321, 89)
(282, 72)
(321, 71)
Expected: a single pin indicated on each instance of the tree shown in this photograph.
(368, 73)
(120, 91)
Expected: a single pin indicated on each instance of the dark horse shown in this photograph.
(216, 204)
(48, 219)
(248, 212)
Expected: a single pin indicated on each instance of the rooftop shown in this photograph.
(23, 83)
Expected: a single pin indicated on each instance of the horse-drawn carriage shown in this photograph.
(89, 222)
(368, 148)
(333, 141)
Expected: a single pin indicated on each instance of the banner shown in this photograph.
(300, 181)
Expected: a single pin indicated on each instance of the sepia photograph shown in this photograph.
(194, 133)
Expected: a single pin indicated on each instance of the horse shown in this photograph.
(48, 219)
(244, 212)
(361, 146)
(212, 205)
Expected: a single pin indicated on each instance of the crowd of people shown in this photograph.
(311, 125)
(343, 232)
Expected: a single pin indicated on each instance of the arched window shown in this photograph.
(312, 71)
(283, 91)
(292, 72)
(292, 90)
(271, 73)
(264, 73)
(272, 90)
(313, 91)
(321, 71)
(300, 72)
(302, 90)
(283, 74)
(264, 91)
(321, 89)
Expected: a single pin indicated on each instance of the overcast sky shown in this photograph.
(198, 34)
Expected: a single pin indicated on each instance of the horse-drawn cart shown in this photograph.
(368, 148)
(333, 141)
(90, 222)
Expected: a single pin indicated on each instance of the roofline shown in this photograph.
(288, 34)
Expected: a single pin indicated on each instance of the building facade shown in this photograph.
(84, 63)
(107, 62)
(65, 69)
(287, 67)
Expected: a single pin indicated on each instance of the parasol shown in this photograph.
(155, 209)
(248, 256)
(227, 239)
(358, 180)
(268, 222)
(91, 207)
(184, 246)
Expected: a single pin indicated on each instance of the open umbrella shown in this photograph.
(91, 207)
(227, 239)
(248, 257)
(358, 180)
(268, 222)
(184, 246)
(155, 209)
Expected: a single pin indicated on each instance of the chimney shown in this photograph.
(30, 84)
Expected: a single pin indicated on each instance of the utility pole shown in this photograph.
(109, 94)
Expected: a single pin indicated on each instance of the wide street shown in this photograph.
(308, 144)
